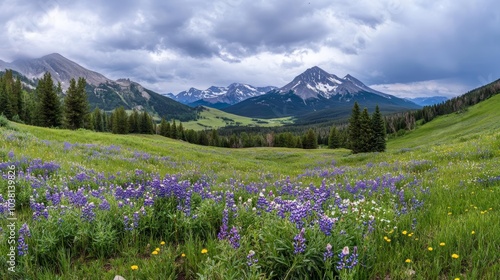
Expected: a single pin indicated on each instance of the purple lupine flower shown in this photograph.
(11, 154)
(346, 260)
(251, 260)
(299, 242)
(136, 219)
(224, 227)
(299, 212)
(148, 201)
(369, 224)
(234, 238)
(104, 205)
(328, 253)
(126, 222)
(326, 224)
(67, 146)
(187, 203)
(22, 247)
(88, 212)
(80, 177)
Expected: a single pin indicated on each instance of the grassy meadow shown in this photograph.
(95, 205)
(213, 118)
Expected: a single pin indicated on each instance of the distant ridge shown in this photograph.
(220, 97)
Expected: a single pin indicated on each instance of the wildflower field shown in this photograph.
(95, 205)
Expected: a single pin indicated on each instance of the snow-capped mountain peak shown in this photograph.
(315, 83)
(232, 94)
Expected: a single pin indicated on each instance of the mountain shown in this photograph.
(220, 97)
(102, 92)
(61, 69)
(428, 101)
(318, 95)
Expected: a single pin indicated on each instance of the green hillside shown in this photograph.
(213, 118)
(101, 204)
(478, 120)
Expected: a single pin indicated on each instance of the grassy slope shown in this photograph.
(479, 119)
(459, 149)
(214, 118)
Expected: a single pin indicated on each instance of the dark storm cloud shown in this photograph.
(438, 40)
(179, 44)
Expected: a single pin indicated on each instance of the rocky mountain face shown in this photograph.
(102, 92)
(315, 83)
(61, 69)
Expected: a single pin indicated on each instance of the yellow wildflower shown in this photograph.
(404, 232)
(430, 249)
(455, 256)
(134, 267)
(157, 249)
(204, 251)
(183, 255)
(162, 243)
(155, 253)
(408, 261)
(473, 232)
(442, 244)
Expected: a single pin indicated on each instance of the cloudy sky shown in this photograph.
(402, 47)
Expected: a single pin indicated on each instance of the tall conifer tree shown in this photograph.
(355, 129)
(365, 144)
(379, 131)
(333, 138)
(49, 111)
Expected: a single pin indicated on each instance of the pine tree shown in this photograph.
(6, 107)
(365, 132)
(214, 138)
(17, 92)
(310, 140)
(97, 117)
(49, 110)
(76, 108)
(333, 138)
(173, 131)
(180, 131)
(133, 122)
(202, 138)
(146, 123)
(355, 129)
(120, 121)
(379, 131)
(168, 130)
(163, 127)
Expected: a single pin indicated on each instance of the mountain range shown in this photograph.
(220, 97)
(318, 95)
(102, 92)
(428, 101)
